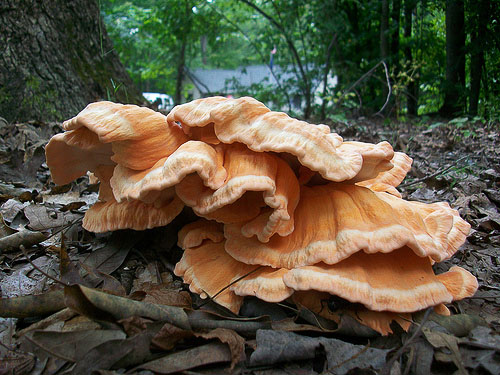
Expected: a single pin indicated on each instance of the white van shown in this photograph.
(164, 101)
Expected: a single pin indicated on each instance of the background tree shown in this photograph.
(56, 57)
(455, 58)
(316, 38)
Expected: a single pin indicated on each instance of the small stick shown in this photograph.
(227, 286)
(389, 93)
(441, 171)
(23, 249)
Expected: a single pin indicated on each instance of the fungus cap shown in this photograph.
(250, 122)
(399, 282)
(254, 180)
(208, 269)
(71, 154)
(191, 157)
(337, 220)
(139, 135)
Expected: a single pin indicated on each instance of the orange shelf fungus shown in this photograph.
(288, 210)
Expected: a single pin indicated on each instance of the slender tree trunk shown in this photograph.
(454, 100)
(479, 15)
(55, 58)
(325, 75)
(181, 61)
(395, 16)
(384, 30)
(305, 81)
(411, 96)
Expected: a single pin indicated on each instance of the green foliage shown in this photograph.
(157, 39)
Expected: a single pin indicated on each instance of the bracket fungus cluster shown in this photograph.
(288, 210)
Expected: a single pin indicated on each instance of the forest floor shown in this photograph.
(45, 330)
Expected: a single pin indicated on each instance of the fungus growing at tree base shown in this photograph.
(288, 210)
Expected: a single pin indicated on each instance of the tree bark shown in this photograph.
(454, 100)
(479, 14)
(412, 94)
(55, 58)
(395, 16)
(184, 31)
(384, 30)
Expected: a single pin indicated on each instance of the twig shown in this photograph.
(388, 86)
(361, 79)
(227, 286)
(350, 359)
(39, 269)
(388, 366)
(441, 171)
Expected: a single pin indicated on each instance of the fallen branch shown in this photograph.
(24, 237)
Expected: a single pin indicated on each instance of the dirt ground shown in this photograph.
(45, 330)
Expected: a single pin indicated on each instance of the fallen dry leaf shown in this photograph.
(190, 358)
(235, 342)
(277, 347)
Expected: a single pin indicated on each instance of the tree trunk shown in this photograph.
(411, 95)
(181, 62)
(395, 16)
(384, 30)
(479, 15)
(55, 58)
(182, 35)
(454, 100)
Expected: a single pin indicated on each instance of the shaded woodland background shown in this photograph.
(442, 56)
(439, 57)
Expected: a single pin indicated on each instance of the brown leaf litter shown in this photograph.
(121, 308)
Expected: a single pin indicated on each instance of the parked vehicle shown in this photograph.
(163, 101)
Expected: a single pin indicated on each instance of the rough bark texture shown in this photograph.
(454, 100)
(395, 15)
(479, 13)
(384, 30)
(412, 94)
(55, 58)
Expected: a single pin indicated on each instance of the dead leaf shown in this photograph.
(440, 339)
(109, 258)
(235, 342)
(420, 357)
(169, 335)
(191, 358)
(134, 325)
(160, 294)
(459, 324)
(41, 217)
(102, 357)
(70, 273)
(17, 363)
(11, 208)
(72, 346)
(275, 347)
(102, 306)
(26, 280)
